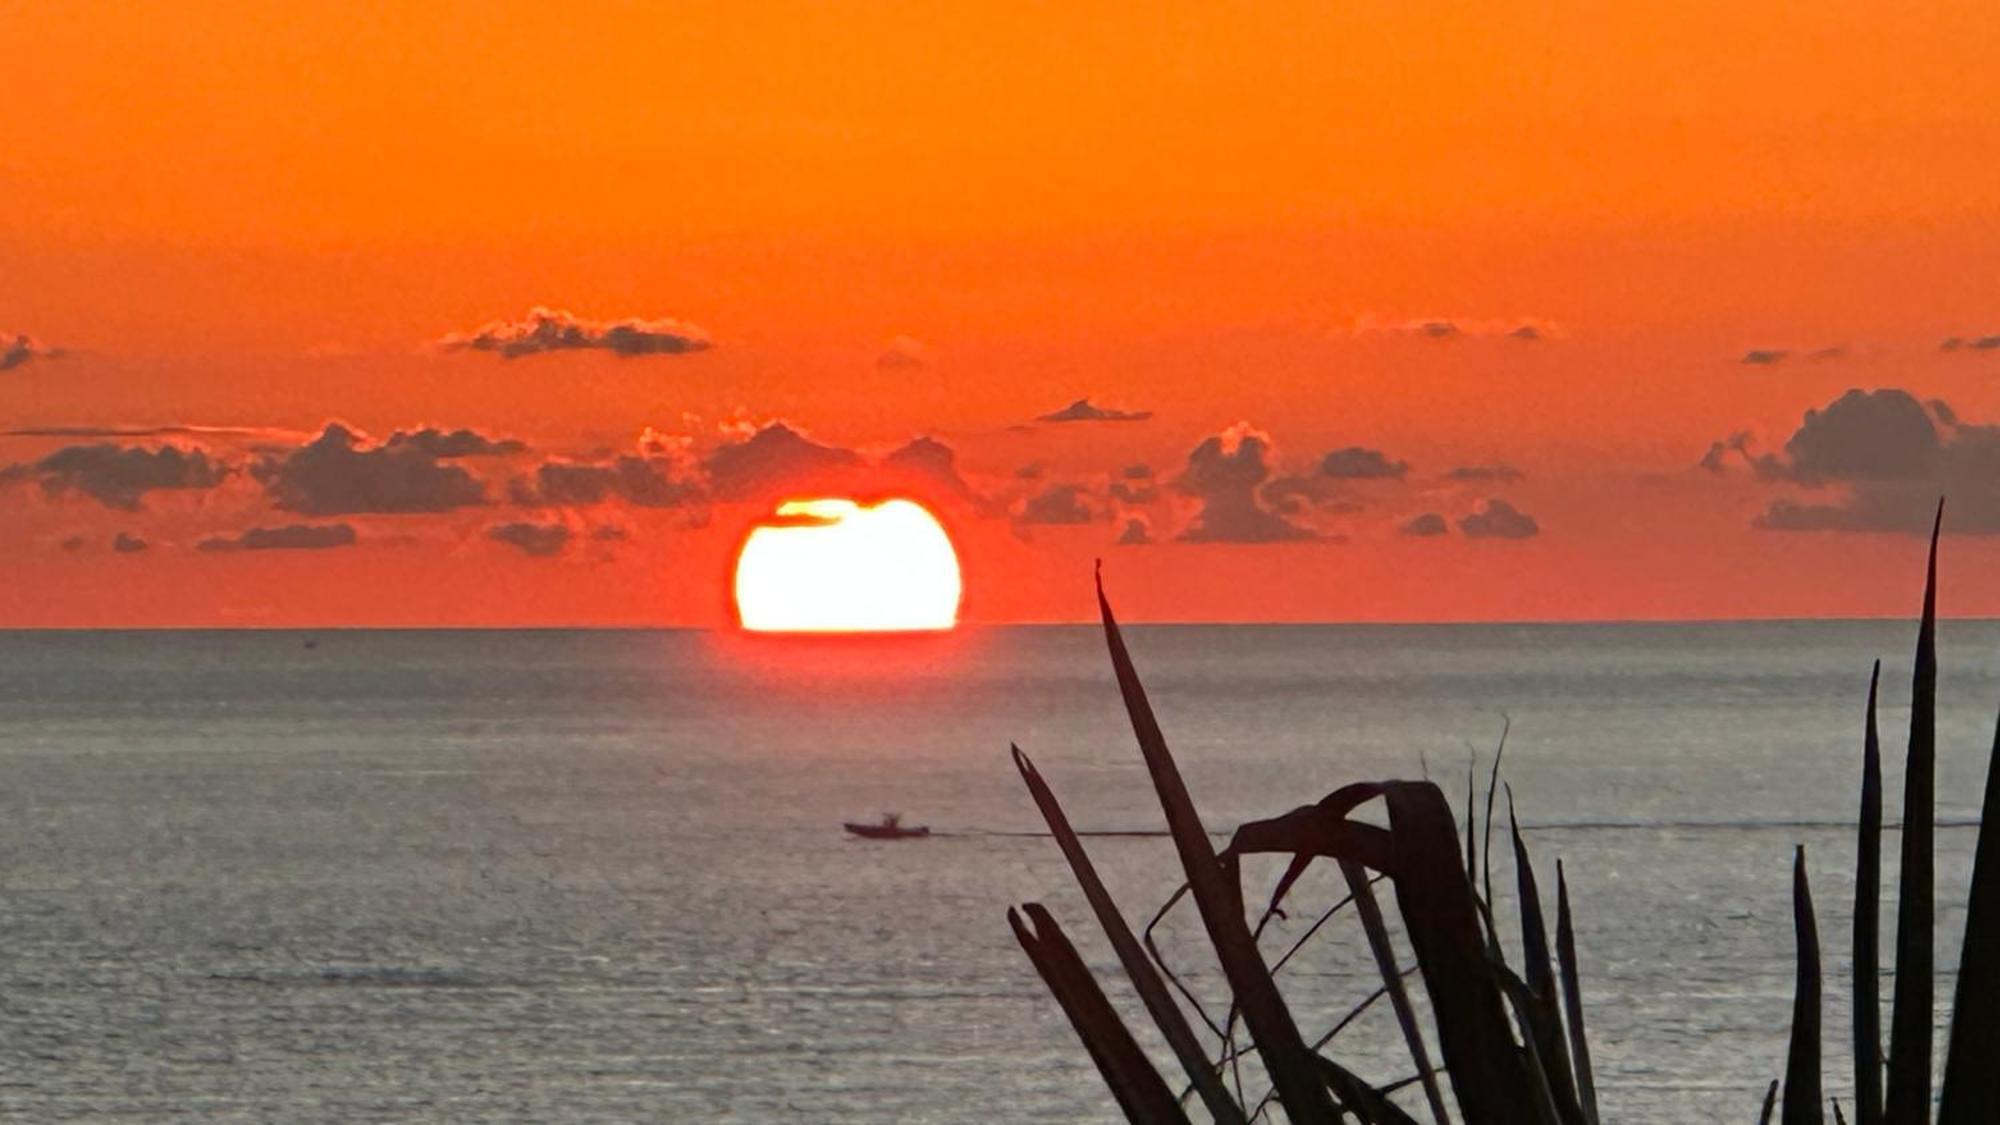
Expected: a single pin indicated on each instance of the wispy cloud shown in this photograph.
(116, 432)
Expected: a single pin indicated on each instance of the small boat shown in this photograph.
(891, 828)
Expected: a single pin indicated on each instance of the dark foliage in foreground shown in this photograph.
(1509, 1046)
(1971, 1089)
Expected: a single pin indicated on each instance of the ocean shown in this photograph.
(600, 876)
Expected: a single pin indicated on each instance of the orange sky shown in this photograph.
(243, 216)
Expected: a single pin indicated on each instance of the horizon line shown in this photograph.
(981, 626)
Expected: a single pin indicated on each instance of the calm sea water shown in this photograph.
(600, 876)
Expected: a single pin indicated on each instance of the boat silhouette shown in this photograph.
(891, 827)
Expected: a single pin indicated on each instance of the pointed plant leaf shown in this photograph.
(1145, 979)
(1300, 1089)
(1908, 1100)
(1471, 844)
(1544, 1010)
(1522, 1002)
(1579, 1042)
(1486, 861)
(1440, 914)
(1372, 923)
(1770, 1103)
(1972, 1056)
(1140, 1090)
(1867, 923)
(1802, 1088)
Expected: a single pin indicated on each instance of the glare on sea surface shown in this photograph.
(839, 566)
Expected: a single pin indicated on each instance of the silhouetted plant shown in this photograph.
(1971, 1089)
(1512, 1048)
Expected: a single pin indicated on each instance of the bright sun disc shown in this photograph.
(835, 566)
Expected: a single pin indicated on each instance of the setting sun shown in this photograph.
(836, 566)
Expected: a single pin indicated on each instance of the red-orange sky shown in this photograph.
(1295, 229)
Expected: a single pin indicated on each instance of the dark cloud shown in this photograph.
(1526, 332)
(1295, 494)
(1136, 472)
(1430, 523)
(1033, 470)
(1863, 435)
(1126, 492)
(335, 474)
(1226, 472)
(21, 349)
(1496, 472)
(925, 463)
(1883, 459)
(1137, 533)
(642, 481)
(118, 476)
(445, 445)
(1062, 504)
(1497, 519)
(1359, 463)
(291, 537)
(611, 533)
(903, 353)
(1082, 411)
(1974, 343)
(74, 542)
(126, 543)
(1717, 457)
(554, 330)
(1766, 357)
(774, 458)
(538, 539)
